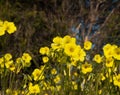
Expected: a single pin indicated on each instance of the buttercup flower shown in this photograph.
(7, 56)
(108, 50)
(70, 49)
(97, 58)
(116, 80)
(86, 68)
(36, 74)
(2, 28)
(26, 57)
(34, 89)
(45, 59)
(57, 43)
(80, 55)
(117, 53)
(57, 79)
(44, 50)
(10, 27)
(87, 45)
(53, 71)
(10, 65)
(109, 62)
(67, 39)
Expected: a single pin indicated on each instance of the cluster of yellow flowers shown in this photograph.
(64, 51)
(15, 66)
(6, 61)
(9, 27)
(70, 49)
(68, 68)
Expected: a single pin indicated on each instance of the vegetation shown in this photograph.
(54, 47)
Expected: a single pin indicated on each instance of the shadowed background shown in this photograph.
(38, 21)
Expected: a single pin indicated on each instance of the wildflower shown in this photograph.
(57, 43)
(57, 79)
(36, 74)
(75, 86)
(10, 27)
(8, 56)
(117, 53)
(10, 65)
(86, 68)
(1, 60)
(108, 50)
(87, 45)
(34, 89)
(80, 55)
(67, 39)
(70, 49)
(97, 58)
(109, 62)
(116, 80)
(44, 50)
(2, 30)
(26, 58)
(53, 71)
(45, 59)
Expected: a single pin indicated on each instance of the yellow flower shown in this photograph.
(34, 89)
(86, 68)
(80, 55)
(36, 74)
(67, 39)
(87, 45)
(44, 50)
(45, 59)
(97, 58)
(7, 64)
(75, 85)
(1, 60)
(108, 50)
(57, 79)
(53, 71)
(7, 56)
(19, 61)
(10, 65)
(26, 57)
(70, 49)
(10, 27)
(109, 62)
(117, 53)
(116, 80)
(2, 30)
(57, 43)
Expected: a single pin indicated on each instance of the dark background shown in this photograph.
(38, 21)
